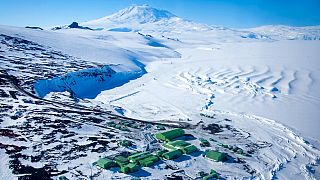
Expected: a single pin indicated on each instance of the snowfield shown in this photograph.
(281, 85)
(260, 86)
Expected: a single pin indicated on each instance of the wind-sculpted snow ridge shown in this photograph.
(255, 83)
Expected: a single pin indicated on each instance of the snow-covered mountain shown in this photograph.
(146, 18)
(149, 19)
(137, 14)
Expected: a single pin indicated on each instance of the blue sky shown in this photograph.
(229, 13)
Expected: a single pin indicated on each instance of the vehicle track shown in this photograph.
(15, 84)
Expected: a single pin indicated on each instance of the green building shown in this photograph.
(160, 127)
(129, 168)
(170, 135)
(105, 163)
(210, 176)
(125, 143)
(121, 160)
(135, 126)
(111, 124)
(212, 171)
(204, 142)
(213, 175)
(139, 156)
(184, 146)
(149, 161)
(215, 155)
(63, 178)
(161, 152)
(202, 174)
(143, 158)
(123, 128)
(189, 149)
(240, 151)
(178, 143)
(172, 154)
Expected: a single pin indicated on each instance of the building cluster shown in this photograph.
(172, 147)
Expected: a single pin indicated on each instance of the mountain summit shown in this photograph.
(146, 18)
(136, 14)
(141, 14)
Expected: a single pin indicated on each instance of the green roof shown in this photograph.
(179, 143)
(160, 127)
(212, 171)
(210, 176)
(151, 158)
(63, 178)
(123, 128)
(189, 149)
(161, 152)
(125, 143)
(240, 151)
(172, 154)
(135, 155)
(171, 134)
(149, 161)
(133, 166)
(202, 174)
(129, 168)
(204, 142)
(134, 126)
(215, 155)
(169, 147)
(120, 160)
(105, 163)
(139, 156)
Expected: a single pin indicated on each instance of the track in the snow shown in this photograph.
(15, 84)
